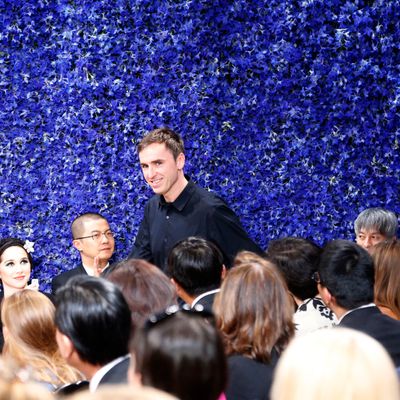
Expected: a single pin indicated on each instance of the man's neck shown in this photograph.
(89, 263)
(177, 189)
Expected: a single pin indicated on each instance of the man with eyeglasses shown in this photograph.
(93, 238)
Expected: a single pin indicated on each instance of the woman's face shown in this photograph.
(15, 269)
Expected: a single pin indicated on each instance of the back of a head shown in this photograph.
(254, 309)
(93, 313)
(386, 257)
(145, 287)
(123, 392)
(297, 259)
(15, 385)
(182, 354)
(196, 265)
(376, 218)
(29, 319)
(165, 135)
(347, 271)
(334, 364)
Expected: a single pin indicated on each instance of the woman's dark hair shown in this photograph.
(183, 355)
(297, 259)
(11, 242)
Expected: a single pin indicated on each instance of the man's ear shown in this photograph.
(77, 244)
(180, 161)
(178, 288)
(326, 295)
(223, 272)
(65, 345)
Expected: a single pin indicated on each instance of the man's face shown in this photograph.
(161, 171)
(368, 238)
(103, 247)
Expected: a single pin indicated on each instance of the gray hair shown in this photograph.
(384, 221)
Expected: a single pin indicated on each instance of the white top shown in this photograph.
(90, 271)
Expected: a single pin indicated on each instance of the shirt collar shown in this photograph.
(198, 298)
(182, 199)
(358, 308)
(98, 376)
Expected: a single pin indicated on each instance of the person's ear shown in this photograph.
(325, 294)
(177, 287)
(77, 244)
(180, 161)
(223, 272)
(65, 345)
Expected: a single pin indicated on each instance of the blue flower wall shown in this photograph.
(289, 110)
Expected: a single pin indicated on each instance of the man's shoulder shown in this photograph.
(369, 317)
(72, 272)
(61, 279)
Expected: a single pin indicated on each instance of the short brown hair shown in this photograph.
(253, 309)
(165, 135)
(386, 257)
(146, 289)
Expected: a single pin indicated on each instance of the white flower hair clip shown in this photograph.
(28, 246)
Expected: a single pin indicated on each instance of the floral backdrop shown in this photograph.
(289, 110)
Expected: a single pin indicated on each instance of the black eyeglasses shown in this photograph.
(316, 278)
(97, 236)
(198, 310)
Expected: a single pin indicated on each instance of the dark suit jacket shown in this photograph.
(117, 374)
(207, 301)
(64, 277)
(384, 329)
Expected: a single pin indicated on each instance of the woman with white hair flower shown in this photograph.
(15, 268)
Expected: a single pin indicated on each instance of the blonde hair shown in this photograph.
(386, 257)
(333, 364)
(28, 318)
(15, 386)
(123, 392)
(253, 309)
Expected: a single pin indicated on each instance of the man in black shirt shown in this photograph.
(180, 208)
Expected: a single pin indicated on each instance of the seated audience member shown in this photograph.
(124, 392)
(180, 352)
(346, 284)
(94, 239)
(254, 313)
(375, 225)
(146, 289)
(335, 364)
(15, 270)
(386, 256)
(93, 327)
(196, 268)
(298, 259)
(30, 342)
(15, 384)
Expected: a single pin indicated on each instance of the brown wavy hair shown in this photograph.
(30, 339)
(386, 257)
(253, 309)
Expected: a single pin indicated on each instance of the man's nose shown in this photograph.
(151, 171)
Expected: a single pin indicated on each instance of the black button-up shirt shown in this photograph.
(196, 212)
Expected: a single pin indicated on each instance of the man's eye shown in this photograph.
(96, 236)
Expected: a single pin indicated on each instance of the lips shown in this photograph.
(20, 278)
